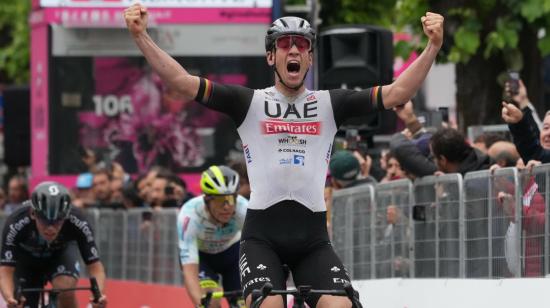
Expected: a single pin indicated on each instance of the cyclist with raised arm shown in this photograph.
(40, 244)
(209, 231)
(287, 133)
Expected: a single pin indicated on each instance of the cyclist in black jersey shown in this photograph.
(287, 133)
(40, 243)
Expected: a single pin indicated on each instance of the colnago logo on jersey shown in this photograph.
(295, 128)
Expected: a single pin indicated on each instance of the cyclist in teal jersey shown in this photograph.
(287, 133)
(209, 231)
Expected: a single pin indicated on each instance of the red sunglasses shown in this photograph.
(286, 42)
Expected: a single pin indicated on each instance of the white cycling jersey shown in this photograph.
(197, 233)
(287, 141)
(287, 145)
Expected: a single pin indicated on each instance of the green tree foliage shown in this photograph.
(483, 37)
(14, 41)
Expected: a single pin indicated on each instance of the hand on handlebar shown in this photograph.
(13, 303)
(101, 302)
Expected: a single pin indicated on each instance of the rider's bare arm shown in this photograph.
(191, 282)
(171, 72)
(406, 85)
(6, 282)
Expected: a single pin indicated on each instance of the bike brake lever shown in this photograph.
(95, 289)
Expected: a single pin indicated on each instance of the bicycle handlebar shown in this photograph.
(219, 294)
(258, 296)
(94, 288)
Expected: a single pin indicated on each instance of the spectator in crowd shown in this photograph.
(531, 143)
(484, 141)
(89, 159)
(130, 196)
(119, 177)
(83, 195)
(504, 154)
(521, 100)
(453, 154)
(168, 191)
(103, 194)
(411, 146)
(345, 171)
(244, 185)
(17, 193)
(144, 183)
(393, 169)
(181, 194)
(532, 223)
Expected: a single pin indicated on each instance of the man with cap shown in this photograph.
(345, 171)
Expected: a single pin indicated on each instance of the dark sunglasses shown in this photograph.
(286, 42)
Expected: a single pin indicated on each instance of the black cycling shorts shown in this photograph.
(289, 233)
(36, 272)
(224, 264)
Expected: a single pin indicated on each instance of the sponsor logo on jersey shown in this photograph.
(243, 266)
(261, 267)
(290, 111)
(292, 151)
(15, 228)
(311, 98)
(61, 269)
(293, 141)
(285, 161)
(247, 154)
(335, 269)
(256, 280)
(327, 156)
(298, 160)
(295, 128)
(82, 226)
(94, 253)
(340, 280)
(8, 255)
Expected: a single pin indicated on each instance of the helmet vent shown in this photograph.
(283, 22)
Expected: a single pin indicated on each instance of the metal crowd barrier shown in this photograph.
(485, 225)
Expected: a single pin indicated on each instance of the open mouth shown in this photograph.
(293, 67)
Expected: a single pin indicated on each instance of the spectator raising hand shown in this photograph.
(510, 113)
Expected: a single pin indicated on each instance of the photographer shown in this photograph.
(531, 143)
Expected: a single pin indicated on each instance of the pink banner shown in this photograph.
(113, 17)
(39, 100)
